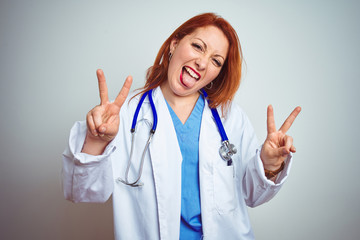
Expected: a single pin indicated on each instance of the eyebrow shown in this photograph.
(202, 42)
(218, 55)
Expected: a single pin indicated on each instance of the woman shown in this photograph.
(179, 186)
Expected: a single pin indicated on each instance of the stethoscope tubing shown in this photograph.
(136, 114)
(136, 183)
(217, 119)
(226, 150)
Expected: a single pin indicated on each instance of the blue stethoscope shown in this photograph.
(226, 150)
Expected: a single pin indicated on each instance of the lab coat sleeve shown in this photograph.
(86, 178)
(257, 189)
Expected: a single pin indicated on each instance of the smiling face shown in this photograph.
(196, 61)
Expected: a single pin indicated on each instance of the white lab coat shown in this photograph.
(153, 210)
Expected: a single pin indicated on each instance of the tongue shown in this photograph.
(187, 80)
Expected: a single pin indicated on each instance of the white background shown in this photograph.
(297, 53)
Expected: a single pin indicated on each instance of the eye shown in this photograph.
(197, 46)
(217, 62)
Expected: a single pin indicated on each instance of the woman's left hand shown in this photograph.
(277, 145)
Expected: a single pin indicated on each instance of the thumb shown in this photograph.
(282, 151)
(110, 129)
(102, 129)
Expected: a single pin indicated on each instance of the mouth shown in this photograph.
(192, 72)
(189, 76)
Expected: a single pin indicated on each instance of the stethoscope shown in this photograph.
(226, 151)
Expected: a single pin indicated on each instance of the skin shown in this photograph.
(103, 120)
(204, 51)
(277, 145)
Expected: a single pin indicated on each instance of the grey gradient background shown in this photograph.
(297, 53)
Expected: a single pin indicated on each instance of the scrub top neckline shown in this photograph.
(197, 110)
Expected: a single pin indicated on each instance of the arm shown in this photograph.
(277, 145)
(87, 170)
(86, 178)
(256, 187)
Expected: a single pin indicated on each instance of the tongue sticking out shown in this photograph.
(186, 79)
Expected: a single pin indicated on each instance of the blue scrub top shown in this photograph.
(188, 138)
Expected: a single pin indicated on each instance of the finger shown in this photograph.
(293, 149)
(91, 125)
(102, 128)
(97, 118)
(109, 127)
(282, 152)
(288, 142)
(289, 121)
(121, 97)
(102, 86)
(270, 120)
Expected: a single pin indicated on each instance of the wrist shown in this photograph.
(271, 167)
(94, 145)
(271, 174)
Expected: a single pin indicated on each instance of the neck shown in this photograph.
(181, 105)
(176, 100)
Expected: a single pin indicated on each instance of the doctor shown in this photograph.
(185, 189)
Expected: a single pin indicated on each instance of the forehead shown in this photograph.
(213, 37)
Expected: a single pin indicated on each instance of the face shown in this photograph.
(196, 60)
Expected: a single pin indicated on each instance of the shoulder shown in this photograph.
(130, 103)
(233, 111)
(133, 100)
(236, 117)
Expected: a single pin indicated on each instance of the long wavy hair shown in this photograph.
(226, 83)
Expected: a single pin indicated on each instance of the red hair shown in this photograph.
(226, 83)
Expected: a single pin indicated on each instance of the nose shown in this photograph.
(201, 63)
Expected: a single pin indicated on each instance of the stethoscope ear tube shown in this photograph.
(136, 114)
(153, 110)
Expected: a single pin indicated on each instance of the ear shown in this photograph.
(173, 44)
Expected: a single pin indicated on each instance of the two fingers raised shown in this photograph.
(287, 141)
(103, 90)
(271, 127)
(100, 120)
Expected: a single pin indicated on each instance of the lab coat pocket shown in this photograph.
(224, 189)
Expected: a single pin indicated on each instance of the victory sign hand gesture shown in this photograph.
(103, 120)
(277, 145)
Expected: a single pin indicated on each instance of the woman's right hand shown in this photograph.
(103, 120)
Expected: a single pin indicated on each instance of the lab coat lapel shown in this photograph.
(166, 161)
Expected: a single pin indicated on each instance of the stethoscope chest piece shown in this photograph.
(226, 151)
